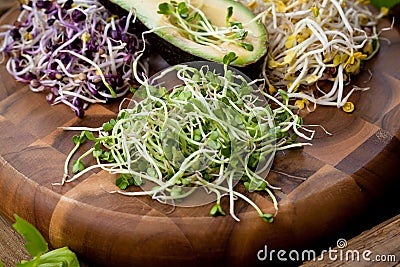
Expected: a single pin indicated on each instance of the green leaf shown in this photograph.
(107, 126)
(214, 135)
(183, 10)
(199, 105)
(245, 89)
(267, 217)
(75, 139)
(216, 210)
(78, 166)
(229, 58)
(106, 156)
(254, 160)
(384, 3)
(226, 151)
(31, 263)
(89, 135)
(1, 264)
(61, 257)
(165, 9)
(121, 183)
(97, 145)
(247, 46)
(97, 153)
(237, 24)
(284, 95)
(241, 35)
(64, 256)
(176, 191)
(188, 108)
(35, 242)
(213, 144)
(152, 172)
(79, 139)
(124, 181)
(229, 14)
(184, 96)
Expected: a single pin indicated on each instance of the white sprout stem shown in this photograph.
(94, 65)
(231, 197)
(300, 77)
(343, 16)
(341, 86)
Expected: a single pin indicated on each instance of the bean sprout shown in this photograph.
(313, 41)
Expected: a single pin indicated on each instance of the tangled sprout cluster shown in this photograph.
(313, 41)
(74, 50)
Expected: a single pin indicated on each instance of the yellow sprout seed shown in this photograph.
(363, 19)
(272, 64)
(299, 103)
(312, 79)
(315, 11)
(289, 58)
(290, 42)
(253, 4)
(85, 37)
(109, 19)
(384, 10)
(280, 7)
(348, 107)
(368, 48)
(303, 35)
(295, 88)
(271, 89)
(28, 36)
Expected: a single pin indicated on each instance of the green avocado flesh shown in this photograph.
(181, 48)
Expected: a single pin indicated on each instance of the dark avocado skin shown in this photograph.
(170, 53)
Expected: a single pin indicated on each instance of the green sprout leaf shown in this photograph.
(78, 166)
(267, 217)
(89, 135)
(183, 10)
(247, 46)
(229, 58)
(165, 9)
(236, 24)
(97, 153)
(107, 126)
(284, 95)
(79, 139)
(216, 210)
(124, 181)
(229, 14)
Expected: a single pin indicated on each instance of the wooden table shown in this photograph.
(383, 239)
(348, 190)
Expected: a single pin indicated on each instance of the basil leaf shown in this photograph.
(384, 3)
(35, 242)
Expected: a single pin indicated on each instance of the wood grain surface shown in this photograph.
(382, 240)
(346, 174)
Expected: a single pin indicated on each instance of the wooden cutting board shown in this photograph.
(345, 172)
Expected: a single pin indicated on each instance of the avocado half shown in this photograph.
(176, 48)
